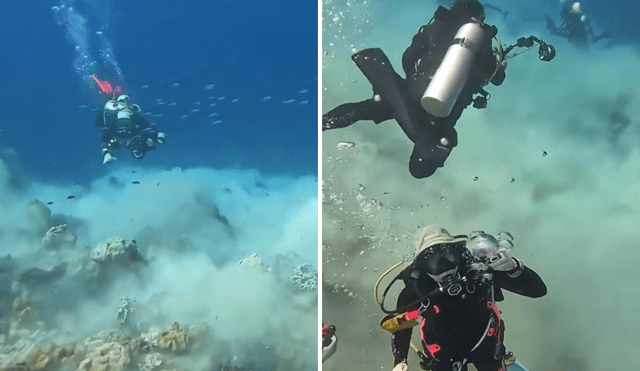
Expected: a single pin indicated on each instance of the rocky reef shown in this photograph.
(137, 337)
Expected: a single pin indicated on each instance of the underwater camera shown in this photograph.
(546, 52)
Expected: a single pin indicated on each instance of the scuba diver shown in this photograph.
(451, 289)
(122, 123)
(448, 62)
(574, 26)
(329, 342)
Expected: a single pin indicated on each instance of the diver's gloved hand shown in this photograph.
(502, 261)
(161, 138)
(108, 158)
(402, 366)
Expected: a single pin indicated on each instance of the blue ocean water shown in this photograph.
(249, 50)
(202, 255)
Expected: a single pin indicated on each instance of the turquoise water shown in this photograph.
(539, 162)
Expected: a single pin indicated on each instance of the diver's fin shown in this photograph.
(551, 25)
(604, 35)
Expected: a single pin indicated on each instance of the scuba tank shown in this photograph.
(452, 74)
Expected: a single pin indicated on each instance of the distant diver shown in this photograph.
(448, 62)
(575, 26)
(450, 292)
(122, 123)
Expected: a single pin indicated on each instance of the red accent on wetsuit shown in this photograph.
(491, 331)
(432, 349)
(435, 307)
(324, 330)
(414, 314)
(494, 307)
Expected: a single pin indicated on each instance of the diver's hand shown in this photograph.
(402, 366)
(503, 261)
(108, 158)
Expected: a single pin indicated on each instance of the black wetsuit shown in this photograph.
(465, 328)
(574, 29)
(399, 99)
(133, 132)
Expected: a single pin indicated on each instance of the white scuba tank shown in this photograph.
(448, 81)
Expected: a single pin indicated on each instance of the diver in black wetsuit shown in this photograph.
(396, 98)
(123, 123)
(451, 289)
(574, 26)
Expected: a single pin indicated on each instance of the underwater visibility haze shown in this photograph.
(554, 159)
(202, 255)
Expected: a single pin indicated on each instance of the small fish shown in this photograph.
(148, 113)
(184, 116)
(175, 85)
(134, 241)
(213, 97)
(83, 106)
(157, 184)
(161, 103)
(195, 110)
(71, 197)
(268, 97)
(213, 114)
(135, 182)
(303, 91)
(50, 203)
(134, 171)
(159, 100)
(213, 104)
(217, 122)
(304, 102)
(158, 115)
(221, 98)
(145, 86)
(235, 100)
(172, 104)
(209, 87)
(197, 103)
(289, 101)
